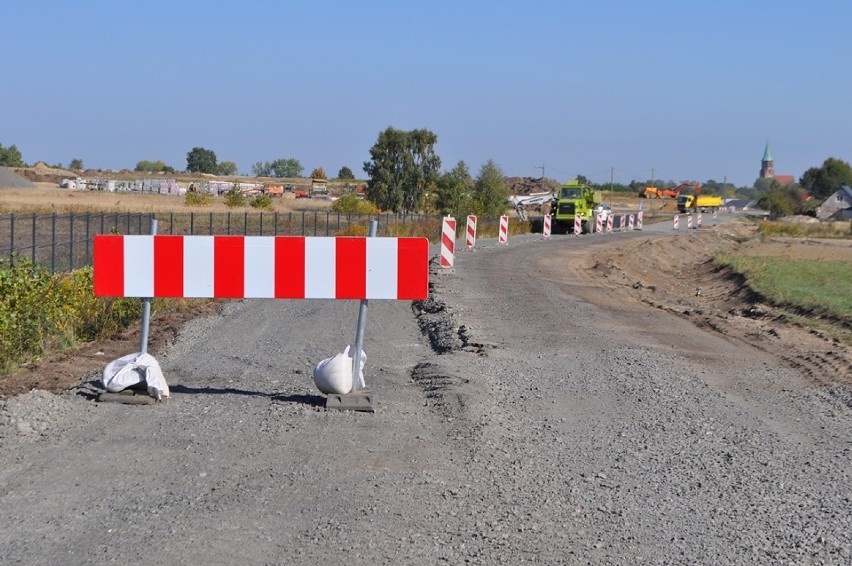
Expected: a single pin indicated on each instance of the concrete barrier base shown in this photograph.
(359, 401)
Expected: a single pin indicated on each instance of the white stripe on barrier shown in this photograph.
(259, 267)
(676, 222)
(382, 267)
(578, 225)
(448, 241)
(609, 223)
(547, 225)
(470, 238)
(504, 230)
(198, 266)
(320, 256)
(138, 280)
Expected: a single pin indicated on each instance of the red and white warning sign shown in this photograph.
(688, 221)
(609, 223)
(639, 220)
(676, 222)
(698, 220)
(448, 241)
(503, 235)
(624, 223)
(470, 234)
(281, 267)
(631, 220)
(578, 225)
(599, 222)
(546, 228)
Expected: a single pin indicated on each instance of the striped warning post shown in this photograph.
(639, 220)
(688, 221)
(503, 236)
(578, 225)
(279, 267)
(609, 223)
(448, 241)
(698, 220)
(624, 223)
(546, 227)
(470, 234)
(599, 222)
(676, 222)
(631, 220)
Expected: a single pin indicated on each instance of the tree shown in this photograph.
(318, 173)
(10, 157)
(226, 168)
(262, 169)
(76, 163)
(824, 181)
(286, 168)
(345, 173)
(153, 167)
(402, 165)
(781, 201)
(765, 184)
(454, 192)
(201, 160)
(491, 191)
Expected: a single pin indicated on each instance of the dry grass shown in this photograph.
(47, 198)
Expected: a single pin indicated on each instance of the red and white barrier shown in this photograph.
(676, 222)
(631, 220)
(609, 223)
(698, 220)
(448, 241)
(281, 267)
(715, 214)
(688, 221)
(639, 220)
(624, 223)
(578, 225)
(599, 222)
(503, 236)
(470, 237)
(546, 227)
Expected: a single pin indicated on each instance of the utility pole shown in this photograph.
(725, 185)
(611, 170)
(542, 176)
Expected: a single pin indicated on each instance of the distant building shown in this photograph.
(767, 169)
(837, 207)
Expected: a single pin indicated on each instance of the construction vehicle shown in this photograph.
(574, 198)
(675, 192)
(650, 192)
(691, 203)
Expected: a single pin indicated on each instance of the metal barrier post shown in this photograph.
(146, 306)
(362, 322)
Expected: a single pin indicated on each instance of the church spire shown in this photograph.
(766, 155)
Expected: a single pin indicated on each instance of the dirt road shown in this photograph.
(545, 416)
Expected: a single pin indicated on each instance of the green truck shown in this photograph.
(574, 198)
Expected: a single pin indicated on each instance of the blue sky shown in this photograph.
(690, 90)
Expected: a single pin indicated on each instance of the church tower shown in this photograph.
(767, 168)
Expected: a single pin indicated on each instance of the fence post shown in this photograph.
(71, 239)
(11, 239)
(171, 223)
(327, 216)
(192, 224)
(33, 253)
(316, 221)
(261, 223)
(275, 222)
(53, 243)
(303, 223)
(102, 223)
(211, 223)
(88, 255)
(245, 224)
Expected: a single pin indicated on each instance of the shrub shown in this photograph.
(40, 312)
(261, 202)
(234, 197)
(351, 204)
(196, 198)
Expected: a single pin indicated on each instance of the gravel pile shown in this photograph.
(11, 180)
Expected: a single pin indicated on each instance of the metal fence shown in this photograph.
(63, 242)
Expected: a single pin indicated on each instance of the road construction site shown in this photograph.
(563, 400)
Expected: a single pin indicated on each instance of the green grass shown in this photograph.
(815, 230)
(822, 287)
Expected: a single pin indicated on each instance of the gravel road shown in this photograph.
(524, 415)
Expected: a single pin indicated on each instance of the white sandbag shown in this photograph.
(334, 374)
(135, 368)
